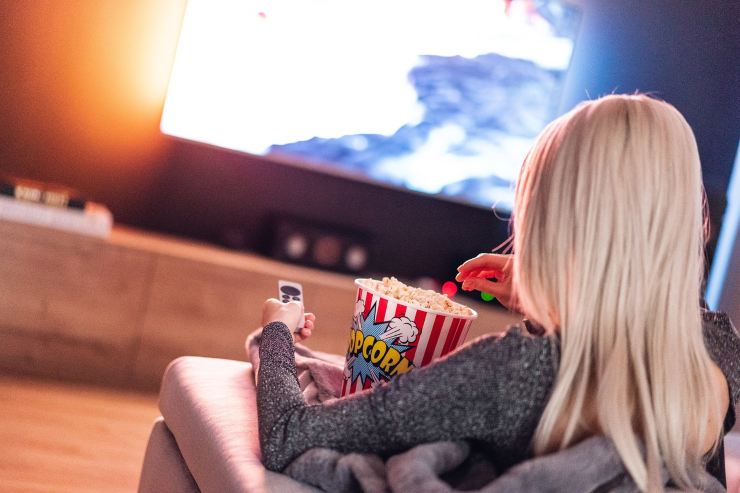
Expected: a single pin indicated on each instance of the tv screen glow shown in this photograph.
(438, 97)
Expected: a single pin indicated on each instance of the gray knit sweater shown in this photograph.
(491, 391)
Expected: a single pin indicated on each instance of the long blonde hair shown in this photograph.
(608, 236)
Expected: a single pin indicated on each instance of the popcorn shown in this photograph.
(396, 328)
(424, 298)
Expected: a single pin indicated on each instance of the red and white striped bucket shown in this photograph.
(390, 337)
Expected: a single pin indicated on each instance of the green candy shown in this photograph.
(487, 296)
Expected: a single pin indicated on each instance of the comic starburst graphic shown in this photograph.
(359, 366)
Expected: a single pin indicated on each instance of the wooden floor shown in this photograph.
(61, 437)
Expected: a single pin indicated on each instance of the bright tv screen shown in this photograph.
(438, 97)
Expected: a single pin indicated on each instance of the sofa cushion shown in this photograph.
(164, 469)
(209, 405)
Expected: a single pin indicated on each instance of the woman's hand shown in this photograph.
(291, 314)
(475, 274)
(307, 328)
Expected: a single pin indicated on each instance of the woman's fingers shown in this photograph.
(462, 275)
(486, 274)
(303, 334)
(476, 272)
(308, 326)
(484, 285)
(486, 261)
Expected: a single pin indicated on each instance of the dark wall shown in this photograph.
(83, 83)
(683, 51)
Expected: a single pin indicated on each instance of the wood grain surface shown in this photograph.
(61, 437)
(117, 311)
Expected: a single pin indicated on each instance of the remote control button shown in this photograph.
(296, 298)
(290, 290)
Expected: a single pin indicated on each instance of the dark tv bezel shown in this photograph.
(326, 168)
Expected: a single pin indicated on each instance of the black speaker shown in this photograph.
(321, 245)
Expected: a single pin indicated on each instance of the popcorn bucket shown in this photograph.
(390, 337)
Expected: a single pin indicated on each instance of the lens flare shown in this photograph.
(450, 289)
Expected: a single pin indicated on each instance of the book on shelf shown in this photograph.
(49, 194)
(91, 220)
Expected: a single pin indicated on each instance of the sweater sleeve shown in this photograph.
(493, 389)
(723, 344)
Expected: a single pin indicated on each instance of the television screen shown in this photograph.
(437, 97)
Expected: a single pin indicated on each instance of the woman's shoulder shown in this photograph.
(720, 335)
(520, 334)
(717, 319)
(521, 342)
(723, 344)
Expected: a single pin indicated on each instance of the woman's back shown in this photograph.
(492, 391)
(608, 241)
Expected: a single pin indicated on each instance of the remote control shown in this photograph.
(290, 291)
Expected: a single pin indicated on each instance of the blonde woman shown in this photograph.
(608, 266)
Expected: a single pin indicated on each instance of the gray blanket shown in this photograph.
(590, 466)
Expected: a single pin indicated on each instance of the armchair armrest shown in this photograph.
(210, 407)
